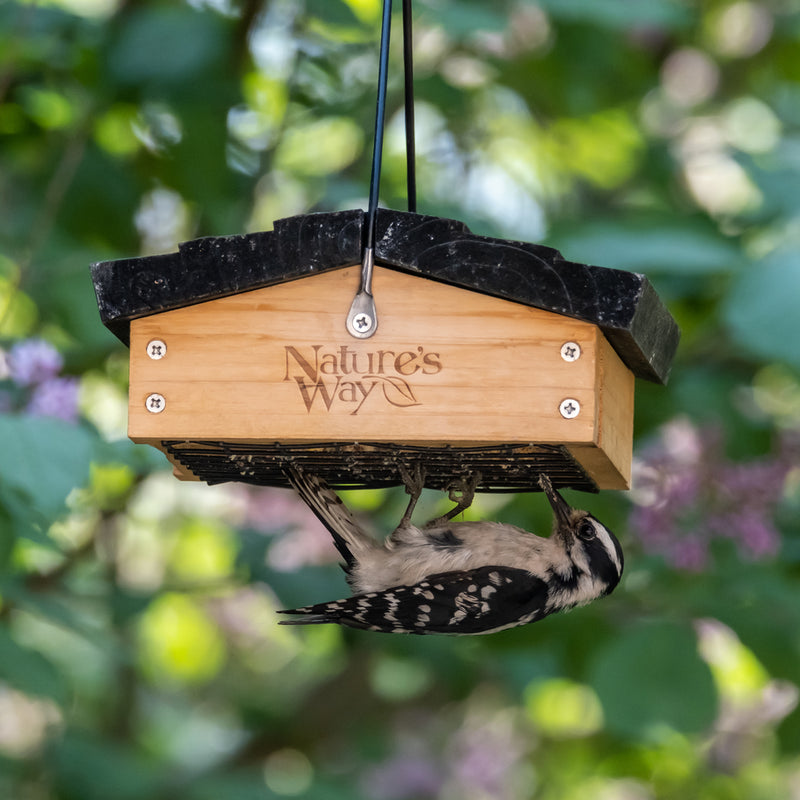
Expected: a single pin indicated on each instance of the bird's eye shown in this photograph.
(586, 530)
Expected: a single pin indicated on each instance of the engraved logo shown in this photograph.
(335, 377)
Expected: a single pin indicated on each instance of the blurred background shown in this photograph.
(140, 657)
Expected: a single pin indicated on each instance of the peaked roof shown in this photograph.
(622, 304)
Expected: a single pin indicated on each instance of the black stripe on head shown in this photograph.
(602, 560)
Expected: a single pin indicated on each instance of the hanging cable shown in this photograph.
(380, 118)
(408, 65)
(362, 320)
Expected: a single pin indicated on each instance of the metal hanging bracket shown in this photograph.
(362, 321)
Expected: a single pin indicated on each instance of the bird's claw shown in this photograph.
(462, 494)
(413, 479)
(414, 483)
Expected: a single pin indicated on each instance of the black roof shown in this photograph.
(622, 304)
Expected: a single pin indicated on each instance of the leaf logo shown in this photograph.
(396, 390)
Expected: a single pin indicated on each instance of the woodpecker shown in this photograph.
(461, 578)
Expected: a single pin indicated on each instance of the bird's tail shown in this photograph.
(309, 615)
(348, 612)
(351, 540)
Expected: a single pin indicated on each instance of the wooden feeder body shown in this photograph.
(446, 366)
(237, 386)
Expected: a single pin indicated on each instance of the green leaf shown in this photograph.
(761, 309)
(334, 13)
(623, 14)
(464, 18)
(652, 676)
(167, 45)
(661, 247)
(43, 459)
(95, 770)
(74, 306)
(29, 671)
(241, 785)
(52, 608)
(7, 538)
(140, 458)
(19, 311)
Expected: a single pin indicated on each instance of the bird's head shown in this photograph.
(589, 543)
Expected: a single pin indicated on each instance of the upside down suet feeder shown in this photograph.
(352, 343)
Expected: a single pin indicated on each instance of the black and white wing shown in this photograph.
(482, 600)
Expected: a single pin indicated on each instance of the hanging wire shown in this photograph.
(362, 319)
(408, 65)
(380, 117)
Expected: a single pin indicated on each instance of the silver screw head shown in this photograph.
(569, 408)
(156, 349)
(155, 403)
(362, 323)
(570, 351)
(362, 318)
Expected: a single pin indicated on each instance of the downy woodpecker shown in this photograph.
(459, 577)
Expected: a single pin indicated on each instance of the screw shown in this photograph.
(362, 322)
(156, 349)
(570, 351)
(569, 408)
(155, 403)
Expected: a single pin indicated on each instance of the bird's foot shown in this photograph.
(414, 482)
(462, 493)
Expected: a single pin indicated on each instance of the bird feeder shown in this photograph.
(356, 344)
(480, 356)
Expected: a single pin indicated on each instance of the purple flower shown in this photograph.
(485, 756)
(690, 554)
(687, 494)
(402, 777)
(33, 361)
(757, 536)
(56, 397)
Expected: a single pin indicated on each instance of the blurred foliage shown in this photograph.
(139, 652)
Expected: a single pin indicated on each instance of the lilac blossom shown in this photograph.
(33, 361)
(414, 769)
(404, 776)
(688, 494)
(30, 371)
(477, 750)
(483, 754)
(56, 397)
(486, 754)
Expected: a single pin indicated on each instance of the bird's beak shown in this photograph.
(561, 508)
